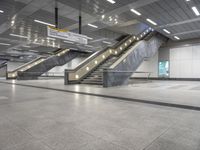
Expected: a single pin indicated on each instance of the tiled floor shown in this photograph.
(173, 92)
(41, 119)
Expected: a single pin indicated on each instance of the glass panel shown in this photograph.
(164, 69)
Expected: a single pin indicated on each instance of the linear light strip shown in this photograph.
(111, 1)
(1, 11)
(151, 21)
(91, 25)
(176, 37)
(45, 23)
(106, 42)
(136, 12)
(165, 30)
(16, 35)
(6, 44)
(196, 11)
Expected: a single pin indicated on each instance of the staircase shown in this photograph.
(96, 76)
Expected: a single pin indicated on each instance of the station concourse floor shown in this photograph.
(36, 116)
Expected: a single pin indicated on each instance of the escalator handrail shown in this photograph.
(96, 54)
(26, 64)
(149, 37)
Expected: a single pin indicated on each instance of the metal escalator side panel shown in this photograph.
(123, 68)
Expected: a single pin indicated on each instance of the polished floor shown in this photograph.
(45, 119)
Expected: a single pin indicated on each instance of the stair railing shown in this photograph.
(77, 74)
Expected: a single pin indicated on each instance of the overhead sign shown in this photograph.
(66, 35)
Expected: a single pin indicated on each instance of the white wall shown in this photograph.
(185, 62)
(150, 65)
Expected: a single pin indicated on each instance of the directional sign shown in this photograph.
(66, 35)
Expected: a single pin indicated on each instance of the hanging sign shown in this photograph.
(66, 35)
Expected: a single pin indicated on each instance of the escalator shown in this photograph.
(114, 65)
(39, 66)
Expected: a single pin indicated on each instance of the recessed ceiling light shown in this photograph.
(1, 11)
(176, 37)
(6, 44)
(103, 16)
(45, 23)
(136, 12)
(151, 21)
(168, 32)
(111, 1)
(91, 25)
(196, 11)
(187, 0)
(16, 35)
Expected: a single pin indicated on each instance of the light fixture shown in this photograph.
(91, 25)
(130, 40)
(103, 16)
(196, 11)
(45, 23)
(16, 35)
(110, 51)
(103, 56)
(111, 1)
(187, 0)
(96, 62)
(151, 21)
(68, 42)
(136, 12)
(165, 30)
(115, 52)
(49, 38)
(125, 44)
(1, 11)
(6, 44)
(120, 48)
(106, 42)
(176, 37)
(77, 76)
(87, 68)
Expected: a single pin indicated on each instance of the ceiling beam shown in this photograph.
(186, 32)
(179, 23)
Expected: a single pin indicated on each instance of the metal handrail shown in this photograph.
(123, 57)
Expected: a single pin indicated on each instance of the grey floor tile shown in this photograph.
(177, 139)
(98, 144)
(70, 139)
(13, 138)
(32, 145)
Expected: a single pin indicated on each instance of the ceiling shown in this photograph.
(18, 18)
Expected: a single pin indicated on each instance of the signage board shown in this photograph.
(66, 35)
